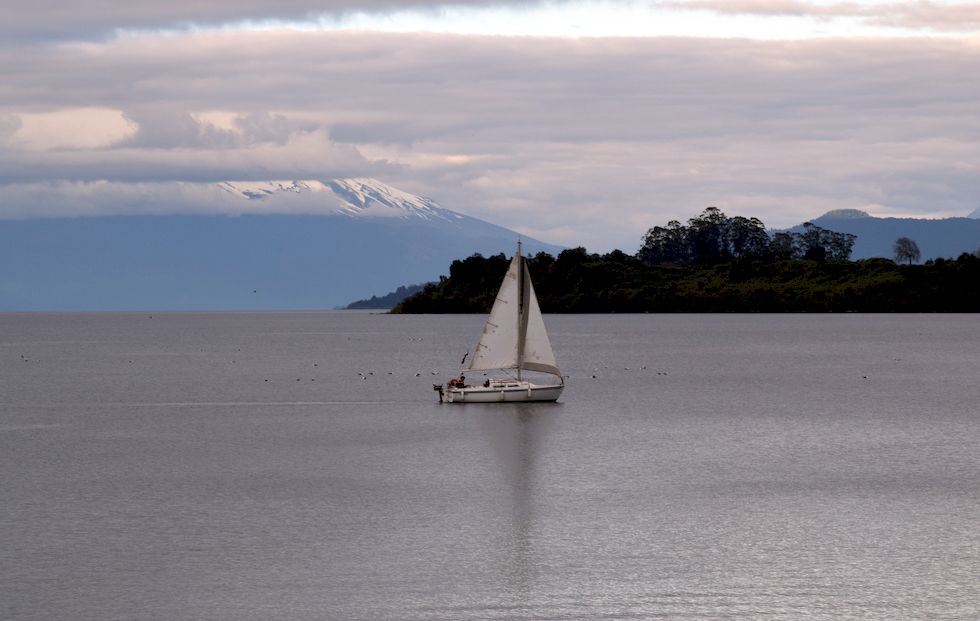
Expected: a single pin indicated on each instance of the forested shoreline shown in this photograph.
(716, 264)
(577, 282)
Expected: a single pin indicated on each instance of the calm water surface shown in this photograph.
(297, 466)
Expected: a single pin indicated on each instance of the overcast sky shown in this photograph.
(579, 123)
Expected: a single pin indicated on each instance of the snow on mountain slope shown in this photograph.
(258, 190)
(352, 197)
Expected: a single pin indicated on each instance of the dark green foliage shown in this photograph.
(385, 301)
(471, 285)
(716, 264)
(578, 282)
(822, 244)
(714, 238)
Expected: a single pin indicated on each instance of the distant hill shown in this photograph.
(366, 237)
(946, 238)
(387, 301)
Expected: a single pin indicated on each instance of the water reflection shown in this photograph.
(518, 434)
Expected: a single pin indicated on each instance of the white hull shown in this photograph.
(510, 392)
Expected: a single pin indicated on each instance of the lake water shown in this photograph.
(298, 466)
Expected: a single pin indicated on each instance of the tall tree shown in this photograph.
(819, 243)
(783, 246)
(747, 237)
(809, 243)
(712, 238)
(708, 237)
(665, 245)
(839, 245)
(904, 249)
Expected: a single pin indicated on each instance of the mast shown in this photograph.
(521, 310)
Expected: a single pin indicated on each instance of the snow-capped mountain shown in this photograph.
(351, 197)
(290, 245)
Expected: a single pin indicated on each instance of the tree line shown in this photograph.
(716, 264)
(713, 238)
(386, 301)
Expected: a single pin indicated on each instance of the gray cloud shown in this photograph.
(306, 155)
(915, 15)
(266, 127)
(163, 126)
(585, 141)
(932, 15)
(773, 7)
(9, 124)
(52, 20)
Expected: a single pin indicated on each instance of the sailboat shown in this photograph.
(514, 339)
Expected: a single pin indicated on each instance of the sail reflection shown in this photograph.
(518, 434)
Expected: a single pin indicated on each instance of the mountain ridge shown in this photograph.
(374, 238)
(936, 238)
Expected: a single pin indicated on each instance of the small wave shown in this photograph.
(31, 427)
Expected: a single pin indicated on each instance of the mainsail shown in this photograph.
(514, 336)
